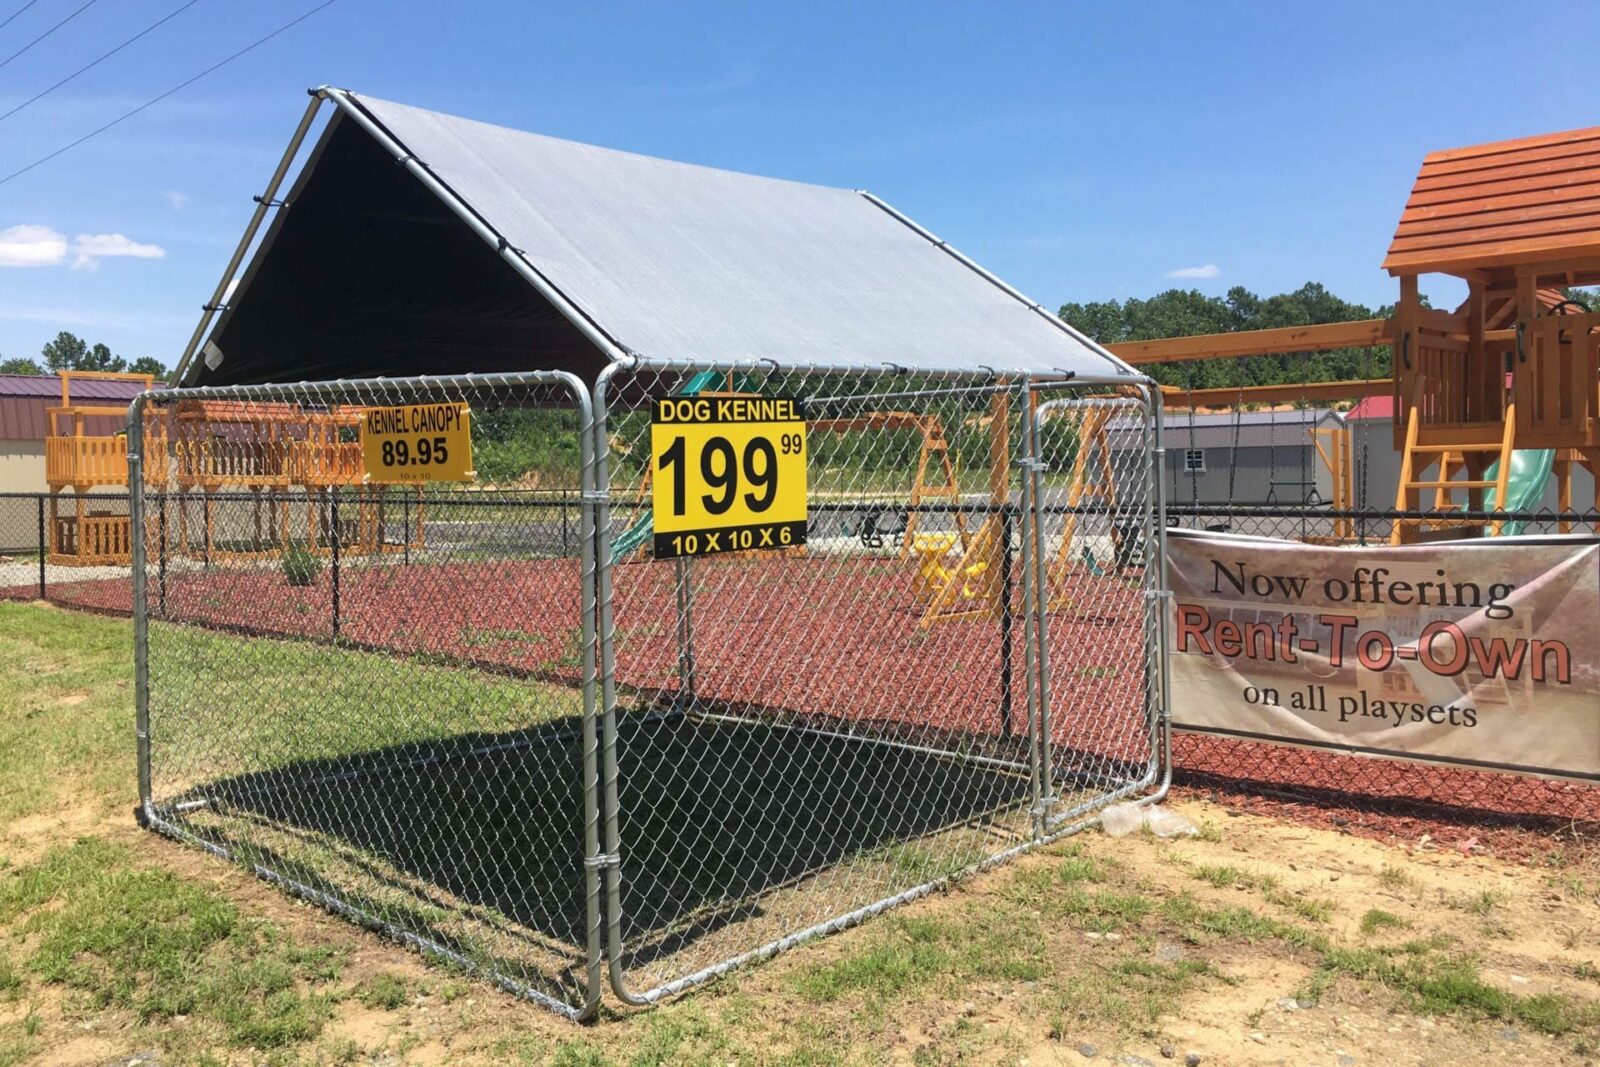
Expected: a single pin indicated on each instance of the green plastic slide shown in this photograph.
(1525, 484)
(630, 540)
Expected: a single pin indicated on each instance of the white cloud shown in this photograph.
(1208, 271)
(41, 246)
(32, 246)
(91, 248)
(176, 199)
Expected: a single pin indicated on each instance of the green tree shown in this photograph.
(20, 365)
(66, 352)
(101, 358)
(70, 352)
(148, 365)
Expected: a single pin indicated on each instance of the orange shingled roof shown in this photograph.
(1534, 199)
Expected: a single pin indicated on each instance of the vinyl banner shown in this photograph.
(1482, 653)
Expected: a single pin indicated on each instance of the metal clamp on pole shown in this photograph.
(602, 860)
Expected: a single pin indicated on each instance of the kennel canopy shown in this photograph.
(413, 242)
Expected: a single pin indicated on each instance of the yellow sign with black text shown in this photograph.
(417, 443)
(729, 474)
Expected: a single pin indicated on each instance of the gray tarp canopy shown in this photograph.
(526, 252)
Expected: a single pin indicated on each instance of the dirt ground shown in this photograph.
(1250, 999)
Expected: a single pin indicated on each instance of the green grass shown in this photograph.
(385, 991)
(68, 727)
(1376, 919)
(907, 954)
(1132, 999)
(1397, 880)
(69, 680)
(1480, 903)
(115, 934)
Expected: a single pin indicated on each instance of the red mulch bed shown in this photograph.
(838, 637)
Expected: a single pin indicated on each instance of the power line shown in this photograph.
(46, 33)
(257, 43)
(97, 62)
(12, 17)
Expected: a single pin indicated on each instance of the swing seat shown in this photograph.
(934, 575)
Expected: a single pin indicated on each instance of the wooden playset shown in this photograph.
(275, 463)
(1478, 391)
(82, 530)
(264, 468)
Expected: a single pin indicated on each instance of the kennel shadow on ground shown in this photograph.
(732, 834)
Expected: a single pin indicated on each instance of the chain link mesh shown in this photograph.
(799, 738)
(374, 692)
(1096, 512)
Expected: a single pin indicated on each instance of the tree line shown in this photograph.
(1189, 312)
(70, 352)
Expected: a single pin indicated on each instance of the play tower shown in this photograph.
(1509, 378)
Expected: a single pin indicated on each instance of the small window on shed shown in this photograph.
(1194, 460)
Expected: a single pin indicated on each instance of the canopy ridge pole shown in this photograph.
(265, 202)
(345, 101)
(1031, 304)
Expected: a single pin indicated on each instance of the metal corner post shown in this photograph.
(594, 916)
(44, 550)
(611, 859)
(1163, 590)
(141, 622)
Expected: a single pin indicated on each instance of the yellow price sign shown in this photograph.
(417, 443)
(729, 474)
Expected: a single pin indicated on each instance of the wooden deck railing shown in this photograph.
(1554, 373)
(86, 460)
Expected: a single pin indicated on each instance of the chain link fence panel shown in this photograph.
(1098, 569)
(372, 688)
(797, 739)
(23, 541)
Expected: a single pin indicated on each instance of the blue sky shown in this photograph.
(1080, 151)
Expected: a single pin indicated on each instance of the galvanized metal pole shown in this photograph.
(610, 860)
(593, 859)
(1163, 723)
(1041, 630)
(263, 203)
(1029, 618)
(141, 623)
